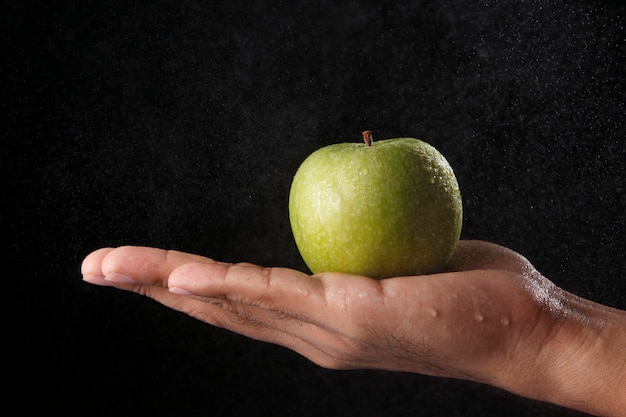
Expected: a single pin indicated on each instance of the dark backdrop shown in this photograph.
(180, 124)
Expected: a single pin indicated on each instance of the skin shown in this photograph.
(489, 317)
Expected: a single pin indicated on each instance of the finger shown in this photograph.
(270, 288)
(311, 298)
(135, 264)
(91, 267)
(328, 311)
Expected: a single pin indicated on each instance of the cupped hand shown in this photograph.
(458, 323)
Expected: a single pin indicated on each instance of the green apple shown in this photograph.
(380, 209)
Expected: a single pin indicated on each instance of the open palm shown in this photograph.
(458, 323)
(489, 317)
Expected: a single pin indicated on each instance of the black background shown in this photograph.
(180, 125)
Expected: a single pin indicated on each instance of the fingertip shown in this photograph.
(91, 267)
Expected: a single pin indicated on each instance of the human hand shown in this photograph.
(490, 317)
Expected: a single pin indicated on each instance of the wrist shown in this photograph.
(574, 355)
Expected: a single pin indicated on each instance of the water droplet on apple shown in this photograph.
(505, 321)
(478, 317)
(364, 171)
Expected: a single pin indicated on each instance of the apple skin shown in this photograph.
(390, 209)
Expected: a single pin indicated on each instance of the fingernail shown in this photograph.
(118, 278)
(96, 280)
(181, 291)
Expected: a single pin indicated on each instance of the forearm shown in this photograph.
(578, 359)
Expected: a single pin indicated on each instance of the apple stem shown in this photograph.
(367, 137)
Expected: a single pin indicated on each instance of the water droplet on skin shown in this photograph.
(303, 292)
(363, 295)
(505, 321)
(452, 297)
(432, 312)
(478, 317)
